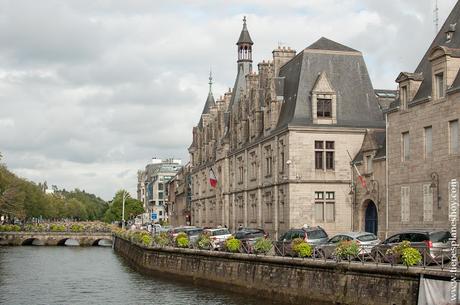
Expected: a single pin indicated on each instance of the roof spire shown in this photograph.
(210, 80)
(245, 38)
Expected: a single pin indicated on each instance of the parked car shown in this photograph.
(175, 231)
(434, 245)
(312, 235)
(193, 234)
(366, 241)
(217, 236)
(248, 237)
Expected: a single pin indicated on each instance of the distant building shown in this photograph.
(179, 197)
(151, 186)
(278, 142)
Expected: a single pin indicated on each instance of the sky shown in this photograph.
(91, 90)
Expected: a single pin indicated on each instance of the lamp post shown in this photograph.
(125, 195)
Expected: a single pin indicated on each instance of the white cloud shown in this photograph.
(91, 90)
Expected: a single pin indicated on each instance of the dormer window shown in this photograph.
(439, 85)
(324, 108)
(324, 101)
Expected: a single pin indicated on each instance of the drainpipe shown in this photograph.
(352, 191)
(386, 176)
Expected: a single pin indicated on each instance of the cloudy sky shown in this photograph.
(91, 90)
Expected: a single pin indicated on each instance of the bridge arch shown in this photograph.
(33, 241)
(63, 241)
(102, 242)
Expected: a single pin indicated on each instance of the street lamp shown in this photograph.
(125, 195)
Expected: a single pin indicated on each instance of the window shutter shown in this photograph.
(427, 203)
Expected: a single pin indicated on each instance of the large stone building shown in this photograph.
(179, 197)
(279, 142)
(151, 186)
(423, 135)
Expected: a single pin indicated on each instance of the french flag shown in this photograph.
(212, 178)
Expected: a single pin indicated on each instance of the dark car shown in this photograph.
(248, 237)
(434, 245)
(312, 235)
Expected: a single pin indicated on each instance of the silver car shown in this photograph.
(365, 240)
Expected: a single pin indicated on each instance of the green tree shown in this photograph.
(133, 207)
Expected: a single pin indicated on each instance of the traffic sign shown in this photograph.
(154, 216)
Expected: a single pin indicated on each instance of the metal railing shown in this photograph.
(432, 258)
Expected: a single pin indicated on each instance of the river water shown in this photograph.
(78, 275)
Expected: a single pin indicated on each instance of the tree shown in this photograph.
(133, 207)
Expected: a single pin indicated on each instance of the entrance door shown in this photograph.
(371, 220)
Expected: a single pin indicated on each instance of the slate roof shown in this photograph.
(357, 104)
(424, 66)
(244, 36)
(326, 44)
(379, 139)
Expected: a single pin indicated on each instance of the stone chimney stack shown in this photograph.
(281, 55)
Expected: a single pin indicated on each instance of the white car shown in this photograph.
(217, 236)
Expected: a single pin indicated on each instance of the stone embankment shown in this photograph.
(290, 280)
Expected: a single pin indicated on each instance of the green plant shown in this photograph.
(146, 239)
(411, 256)
(347, 249)
(76, 228)
(262, 245)
(301, 248)
(57, 228)
(232, 244)
(162, 239)
(182, 240)
(398, 249)
(10, 228)
(204, 241)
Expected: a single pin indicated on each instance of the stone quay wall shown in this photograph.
(289, 280)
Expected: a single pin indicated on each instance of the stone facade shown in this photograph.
(179, 197)
(279, 141)
(423, 137)
(369, 197)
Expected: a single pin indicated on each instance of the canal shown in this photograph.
(78, 275)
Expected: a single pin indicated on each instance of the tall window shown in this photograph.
(324, 206)
(281, 206)
(324, 154)
(453, 137)
(268, 207)
(428, 141)
(369, 164)
(405, 146)
(240, 170)
(253, 167)
(253, 208)
(281, 148)
(324, 108)
(268, 161)
(439, 85)
(404, 97)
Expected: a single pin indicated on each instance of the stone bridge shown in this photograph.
(53, 238)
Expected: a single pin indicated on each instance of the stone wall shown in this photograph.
(290, 280)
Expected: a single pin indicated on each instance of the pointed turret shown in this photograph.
(245, 38)
(244, 44)
(210, 100)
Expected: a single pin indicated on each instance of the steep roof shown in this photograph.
(376, 139)
(244, 36)
(346, 71)
(424, 66)
(326, 44)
